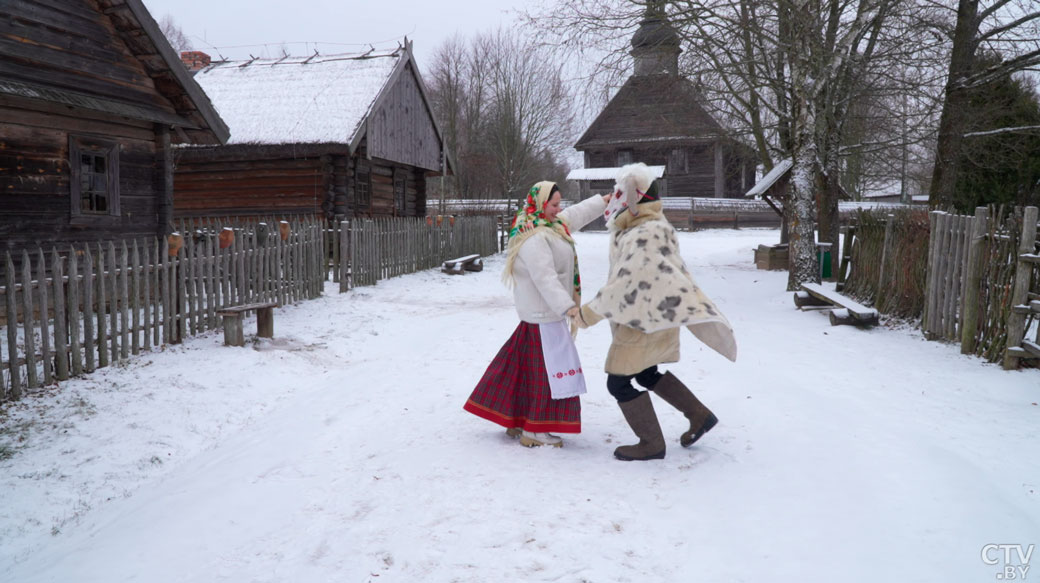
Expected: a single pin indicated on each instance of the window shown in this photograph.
(94, 176)
(677, 161)
(400, 192)
(362, 186)
(624, 157)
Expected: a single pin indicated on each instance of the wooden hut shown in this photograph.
(91, 98)
(332, 136)
(657, 117)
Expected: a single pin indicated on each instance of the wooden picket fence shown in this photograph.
(974, 280)
(71, 311)
(373, 249)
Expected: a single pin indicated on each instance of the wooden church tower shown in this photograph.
(657, 117)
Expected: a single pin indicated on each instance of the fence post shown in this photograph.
(885, 247)
(1020, 289)
(32, 379)
(972, 277)
(12, 332)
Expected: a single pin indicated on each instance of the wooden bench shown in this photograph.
(463, 264)
(843, 310)
(233, 322)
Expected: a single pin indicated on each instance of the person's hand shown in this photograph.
(574, 315)
(606, 197)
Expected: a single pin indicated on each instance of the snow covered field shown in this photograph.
(339, 451)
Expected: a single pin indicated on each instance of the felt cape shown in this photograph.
(650, 289)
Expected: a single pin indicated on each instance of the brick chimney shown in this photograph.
(195, 60)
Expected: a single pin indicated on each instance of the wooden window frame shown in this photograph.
(625, 152)
(400, 199)
(362, 187)
(78, 146)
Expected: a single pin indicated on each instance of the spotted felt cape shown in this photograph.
(650, 289)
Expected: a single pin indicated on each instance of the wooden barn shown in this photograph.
(657, 117)
(333, 136)
(92, 97)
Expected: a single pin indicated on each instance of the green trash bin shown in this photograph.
(824, 258)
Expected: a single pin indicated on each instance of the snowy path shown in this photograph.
(339, 452)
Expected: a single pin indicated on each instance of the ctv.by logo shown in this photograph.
(1014, 557)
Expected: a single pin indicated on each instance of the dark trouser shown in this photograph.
(621, 386)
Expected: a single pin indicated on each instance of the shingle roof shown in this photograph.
(651, 108)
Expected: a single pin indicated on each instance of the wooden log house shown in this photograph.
(92, 98)
(657, 118)
(333, 136)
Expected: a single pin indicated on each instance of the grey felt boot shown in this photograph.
(639, 413)
(676, 394)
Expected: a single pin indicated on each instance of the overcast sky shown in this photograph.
(239, 28)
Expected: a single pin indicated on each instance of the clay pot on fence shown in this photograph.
(226, 237)
(175, 241)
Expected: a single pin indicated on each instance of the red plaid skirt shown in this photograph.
(514, 391)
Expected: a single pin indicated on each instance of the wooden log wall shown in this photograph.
(73, 46)
(251, 187)
(35, 194)
(104, 302)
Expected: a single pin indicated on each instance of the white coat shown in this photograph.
(544, 268)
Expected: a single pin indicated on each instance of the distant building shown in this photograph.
(657, 117)
(330, 136)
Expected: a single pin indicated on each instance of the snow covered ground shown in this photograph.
(339, 451)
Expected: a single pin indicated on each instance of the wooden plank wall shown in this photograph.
(401, 129)
(72, 46)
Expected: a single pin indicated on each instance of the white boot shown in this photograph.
(528, 439)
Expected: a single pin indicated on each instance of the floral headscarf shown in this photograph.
(528, 221)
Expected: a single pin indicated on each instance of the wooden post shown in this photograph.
(972, 280)
(61, 328)
(102, 305)
(885, 254)
(74, 314)
(929, 291)
(112, 282)
(12, 332)
(124, 293)
(28, 327)
(135, 300)
(45, 334)
(1020, 289)
(88, 310)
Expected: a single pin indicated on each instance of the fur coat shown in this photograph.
(650, 295)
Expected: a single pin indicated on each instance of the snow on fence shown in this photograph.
(68, 312)
(368, 250)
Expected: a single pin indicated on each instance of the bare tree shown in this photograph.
(1010, 28)
(506, 109)
(173, 33)
(783, 74)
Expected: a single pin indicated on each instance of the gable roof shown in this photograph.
(189, 111)
(321, 99)
(770, 178)
(652, 108)
(299, 100)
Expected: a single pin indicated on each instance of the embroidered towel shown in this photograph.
(561, 361)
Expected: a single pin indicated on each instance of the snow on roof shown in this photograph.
(606, 173)
(318, 99)
(770, 178)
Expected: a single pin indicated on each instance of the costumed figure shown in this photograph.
(532, 385)
(649, 296)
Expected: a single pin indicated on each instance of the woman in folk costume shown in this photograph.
(648, 297)
(532, 386)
